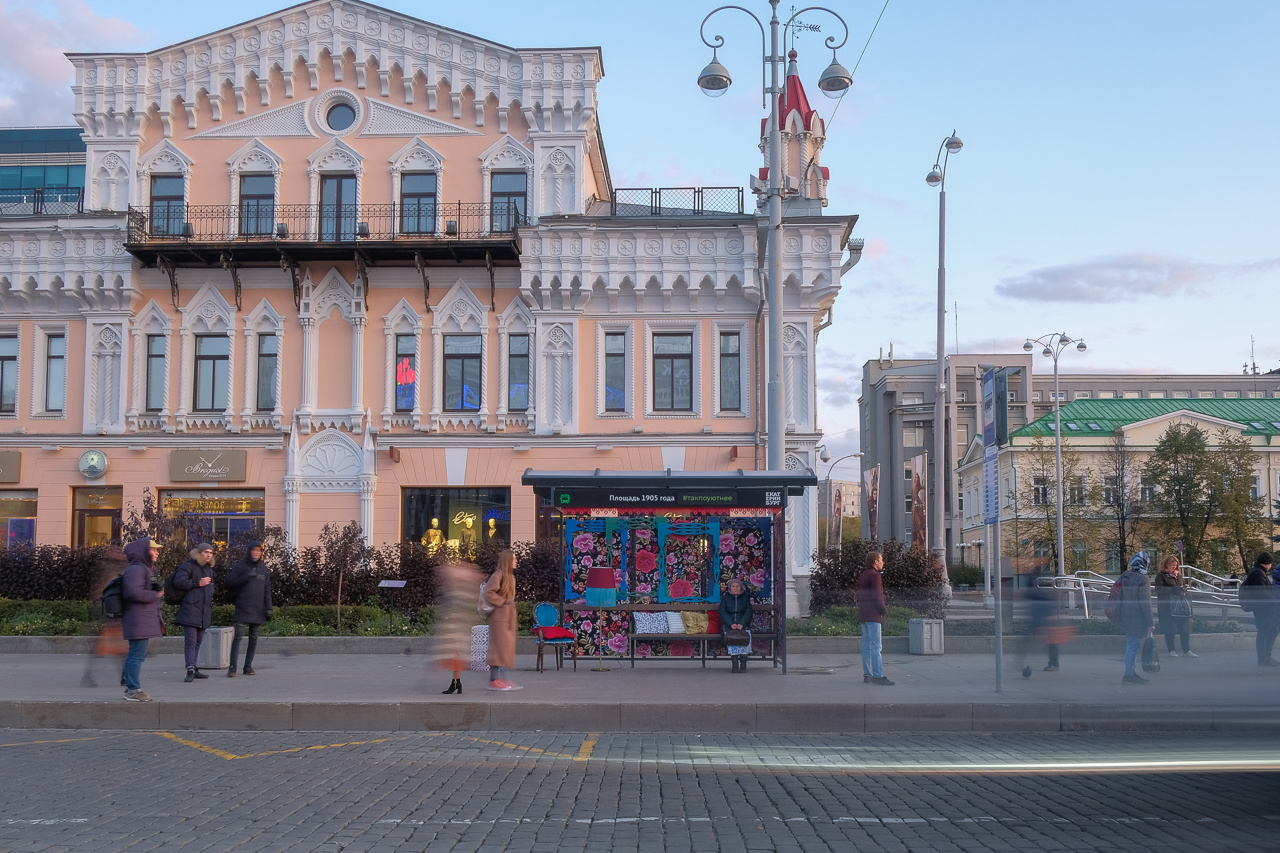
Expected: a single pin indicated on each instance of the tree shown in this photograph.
(1186, 488)
(1242, 521)
(1038, 496)
(1121, 490)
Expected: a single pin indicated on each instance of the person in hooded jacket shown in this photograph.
(736, 612)
(142, 620)
(250, 584)
(1135, 613)
(1258, 592)
(194, 578)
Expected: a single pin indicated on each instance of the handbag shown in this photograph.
(485, 608)
(737, 636)
(1180, 607)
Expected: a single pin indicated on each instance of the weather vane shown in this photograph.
(798, 27)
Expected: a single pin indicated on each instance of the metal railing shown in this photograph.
(321, 223)
(42, 201)
(676, 201)
(1204, 587)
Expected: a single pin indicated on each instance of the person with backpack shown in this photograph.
(1135, 613)
(143, 598)
(111, 644)
(194, 582)
(250, 584)
(1258, 596)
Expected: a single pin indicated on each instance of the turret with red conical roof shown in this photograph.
(804, 134)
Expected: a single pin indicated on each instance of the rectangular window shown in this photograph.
(455, 520)
(213, 356)
(912, 399)
(1233, 395)
(1106, 395)
(8, 374)
(55, 372)
(673, 372)
(257, 204)
(518, 373)
(912, 436)
(233, 516)
(962, 396)
(168, 205)
(1110, 491)
(462, 373)
(1114, 559)
(1076, 492)
(1155, 395)
(406, 372)
(1181, 395)
(1040, 495)
(18, 517)
(508, 191)
(615, 372)
(1077, 556)
(730, 372)
(1082, 395)
(338, 207)
(418, 203)
(962, 435)
(268, 371)
(1147, 491)
(1205, 395)
(156, 345)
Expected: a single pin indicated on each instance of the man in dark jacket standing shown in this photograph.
(194, 578)
(1258, 594)
(143, 599)
(250, 584)
(871, 612)
(1135, 613)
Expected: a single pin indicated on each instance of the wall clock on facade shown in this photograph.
(93, 464)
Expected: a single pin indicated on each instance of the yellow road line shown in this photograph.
(230, 756)
(588, 747)
(63, 740)
(517, 746)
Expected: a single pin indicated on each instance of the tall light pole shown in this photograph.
(937, 177)
(715, 80)
(1054, 343)
(825, 456)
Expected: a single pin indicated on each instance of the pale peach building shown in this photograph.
(339, 263)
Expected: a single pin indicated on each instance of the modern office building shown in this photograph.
(896, 407)
(338, 263)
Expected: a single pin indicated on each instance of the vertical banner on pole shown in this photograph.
(991, 406)
(920, 502)
(871, 487)
(837, 512)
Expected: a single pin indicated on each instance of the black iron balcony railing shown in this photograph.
(258, 222)
(42, 201)
(676, 201)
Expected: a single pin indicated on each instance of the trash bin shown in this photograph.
(215, 650)
(925, 636)
(480, 648)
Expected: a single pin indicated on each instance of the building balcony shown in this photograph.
(260, 233)
(41, 201)
(676, 201)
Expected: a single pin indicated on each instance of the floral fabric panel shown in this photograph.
(645, 554)
(745, 554)
(593, 543)
(690, 561)
(600, 632)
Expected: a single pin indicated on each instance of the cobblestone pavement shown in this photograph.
(225, 791)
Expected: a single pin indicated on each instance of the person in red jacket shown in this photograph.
(871, 613)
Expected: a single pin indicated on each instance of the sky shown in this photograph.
(1117, 183)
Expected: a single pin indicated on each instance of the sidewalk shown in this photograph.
(1222, 690)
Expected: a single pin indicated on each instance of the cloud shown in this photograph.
(1119, 278)
(36, 78)
(838, 388)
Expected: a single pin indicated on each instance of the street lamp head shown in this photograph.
(835, 79)
(714, 79)
(1027, 347)
(1046, 352)
(934, 177)
(953, 143)
(1081, 346)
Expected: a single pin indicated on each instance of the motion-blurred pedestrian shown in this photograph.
(111, 644)
(455, 615)
(1135, 613)
(1258, 596)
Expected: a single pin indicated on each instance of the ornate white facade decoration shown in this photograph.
(151, 320)
(254, 158)
(402, 320)
(459, 313)
(515, 319)
(557, 375)
(262, 320)
(507, 155)
(330, 462)
(104, 386)
(700, 368)
(334, 156)
(797, 377)
(334, 293)
(107, 179)
(164, 159)
(418, 156)
(559, 187)
(207, 313)
(282, 123)
(388, 120)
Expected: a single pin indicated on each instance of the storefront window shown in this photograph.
(18, 516)
(459, 518)
(225, 515)
(97, 515)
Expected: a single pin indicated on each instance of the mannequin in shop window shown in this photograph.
(467, 542)
(433, 537)
(492, 535)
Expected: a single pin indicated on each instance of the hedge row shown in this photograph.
(911, 579)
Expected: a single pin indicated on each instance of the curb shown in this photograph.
(503, 716)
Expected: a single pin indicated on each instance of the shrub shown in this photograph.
(50, 572)
(962, 574)
(910, 578)
(539, 571)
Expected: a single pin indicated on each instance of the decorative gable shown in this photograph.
(386, 120)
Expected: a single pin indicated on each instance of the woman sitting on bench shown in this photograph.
(735, 617)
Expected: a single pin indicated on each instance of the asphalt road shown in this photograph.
(105, 791)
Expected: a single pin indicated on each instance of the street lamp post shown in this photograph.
(714, 80)
(1054, 343)
(825, 456)
(937, 177)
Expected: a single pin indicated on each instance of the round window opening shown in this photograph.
(341, 116)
